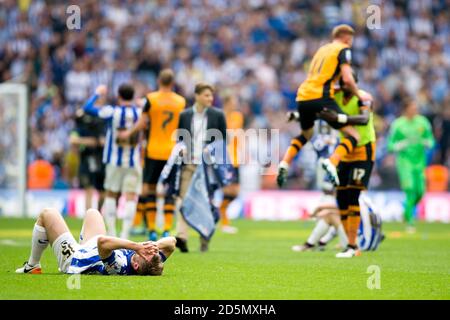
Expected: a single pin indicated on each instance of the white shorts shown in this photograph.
(64, 248)
(327, 200)
(120, 179)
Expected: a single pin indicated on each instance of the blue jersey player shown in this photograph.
(96, 253)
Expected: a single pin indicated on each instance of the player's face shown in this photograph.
(231, 104)
(205, 98)
(137, 260)
(412, 109)
(347, 39)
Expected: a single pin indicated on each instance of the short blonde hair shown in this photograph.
(166, 77)
(342, 29)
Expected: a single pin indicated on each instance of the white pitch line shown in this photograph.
(10, 242)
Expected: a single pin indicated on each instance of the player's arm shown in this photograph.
(349, 80)
(361, 119)
(395, 143)
(345, 60)
(106, 245)
(321, 208)
(103, 112)
(76, 140)
(166, 245)
(141, 124)
(428, 138)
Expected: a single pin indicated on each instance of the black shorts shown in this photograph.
(236, 177)
(152, 170)
(89, 178)
(309, 109)
(355, 174)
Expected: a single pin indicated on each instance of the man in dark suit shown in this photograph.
(198, 126)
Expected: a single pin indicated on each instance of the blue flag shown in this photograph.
(197, 208)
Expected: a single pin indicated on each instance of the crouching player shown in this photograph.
(328, 223)
(96, 253)
(329, 226)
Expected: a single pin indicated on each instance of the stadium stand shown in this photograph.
(260, 49)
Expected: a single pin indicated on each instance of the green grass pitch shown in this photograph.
(256, 263)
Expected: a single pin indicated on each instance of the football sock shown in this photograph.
(169, 209)
(130, 210)
(409, 207)
(109, 211)
(39, 243)
(320, 229)
(345, 147)
(329, 235)
(354, 218)
(296, 145)
(223, 209)
(150, 214)
(140, 211)
(343, 240)
(344, 219)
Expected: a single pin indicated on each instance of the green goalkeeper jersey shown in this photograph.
(366, 132)
(410, 138)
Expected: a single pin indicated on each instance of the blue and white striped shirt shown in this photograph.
(118, 118)
(86, 260)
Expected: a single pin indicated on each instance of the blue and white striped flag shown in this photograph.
(369, 234)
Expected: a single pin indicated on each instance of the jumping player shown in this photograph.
(329, 63)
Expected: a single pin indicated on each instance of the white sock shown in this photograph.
(329, 235)
(80, 238)
(343, 240)
(130, 211)
(39, 242)
(109, 212)
(318, 232)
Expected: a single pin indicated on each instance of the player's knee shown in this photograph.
(308, 133)
(110, 194)
(93, 212)
(356, 136)
(327, 219)
(172, 242)
(335, 219)
(48, 212)
(130, 196)
(46, 215)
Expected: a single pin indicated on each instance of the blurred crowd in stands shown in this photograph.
(258, 49)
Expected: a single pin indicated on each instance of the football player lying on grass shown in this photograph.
(96, 253)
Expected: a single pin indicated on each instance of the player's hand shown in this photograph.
(365, 99)
(147, 250)
(101, 90)
(282, 174)
(399, 146)
(292, 115)
(160, 190)
(328, 115)
(123, 135)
